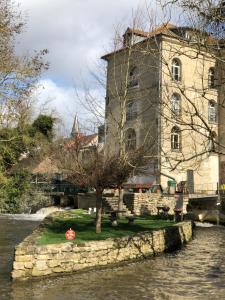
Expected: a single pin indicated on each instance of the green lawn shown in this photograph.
(83, 224)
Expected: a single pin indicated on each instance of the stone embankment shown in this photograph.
(32, 260)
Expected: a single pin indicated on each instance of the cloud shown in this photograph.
(66, 102)
(76, 33)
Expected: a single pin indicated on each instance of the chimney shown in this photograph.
(127, 37)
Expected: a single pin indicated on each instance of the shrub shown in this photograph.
(19, 196)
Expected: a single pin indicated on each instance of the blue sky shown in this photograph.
(76, 33)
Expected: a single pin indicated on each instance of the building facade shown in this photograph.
(162, 94)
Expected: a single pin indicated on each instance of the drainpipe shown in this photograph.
(159, 115)
(159, 108)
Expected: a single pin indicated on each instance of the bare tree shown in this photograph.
(94, 170)
(18, 74)
(122, 109)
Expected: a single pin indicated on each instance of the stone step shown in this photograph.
(112, 203)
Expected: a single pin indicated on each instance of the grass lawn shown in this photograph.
(83, 224)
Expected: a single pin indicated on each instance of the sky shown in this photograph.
(76, 33)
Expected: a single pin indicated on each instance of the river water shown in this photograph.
(195, 272)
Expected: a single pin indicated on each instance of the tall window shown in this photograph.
(212, 111)
(211, 78)
(176, 69)
(176, 105)
(133, 77)
(130, 139)
(131, 112)
(175, 138)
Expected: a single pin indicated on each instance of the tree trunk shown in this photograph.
(120, 201)
(98, 224)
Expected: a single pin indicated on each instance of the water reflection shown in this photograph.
(195, 272)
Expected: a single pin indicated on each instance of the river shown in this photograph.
(195, 272)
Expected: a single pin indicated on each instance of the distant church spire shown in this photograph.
(75, 129)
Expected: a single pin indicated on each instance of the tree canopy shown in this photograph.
(44, 124)
(19, 75)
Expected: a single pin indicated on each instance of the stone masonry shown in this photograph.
(146, 203)
(32, 260)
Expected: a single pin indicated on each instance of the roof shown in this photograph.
(165, 28)
(136, 31)
(159, 29)
(83, 140)
(87, 139)
(40, 165)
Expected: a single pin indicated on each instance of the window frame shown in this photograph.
(131, 110)
(133, 80)
(176, 75)
(212, 111)
(175, 139)
(211, 78)
(131, 141)
(176, 98)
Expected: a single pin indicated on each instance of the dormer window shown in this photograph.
(133, 77)
(176, 69)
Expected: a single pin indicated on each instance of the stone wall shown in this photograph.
(137, 203)
(32, 260)
(86, 200)
(146, 203)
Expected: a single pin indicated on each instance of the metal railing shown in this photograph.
(58, 188)
(206, 188)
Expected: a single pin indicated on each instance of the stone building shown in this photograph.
(221, 118)
(162, 93)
